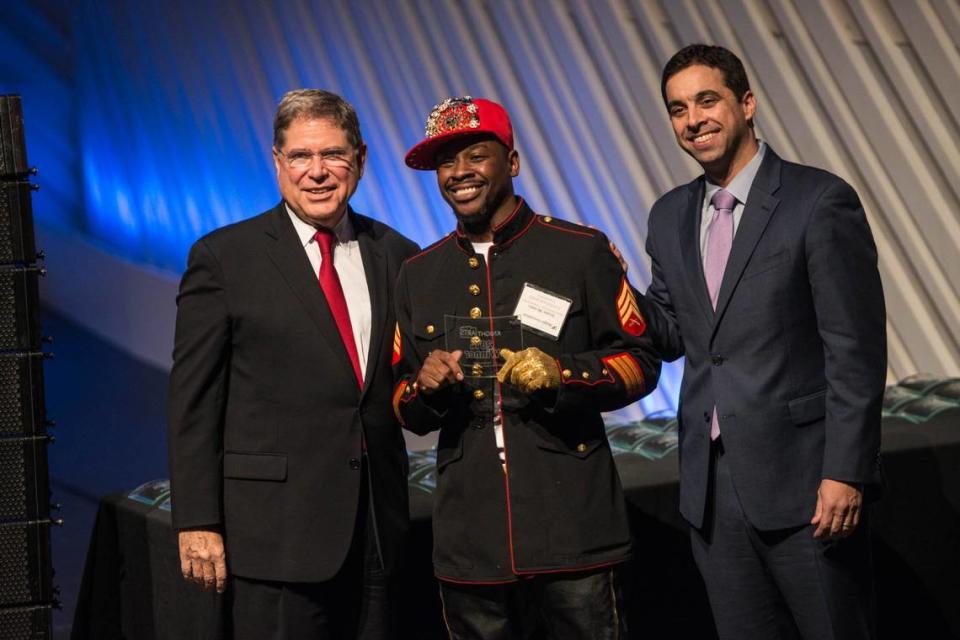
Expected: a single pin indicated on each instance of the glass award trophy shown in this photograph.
(481, 340)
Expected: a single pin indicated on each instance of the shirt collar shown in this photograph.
(343, 230)
(741, 183)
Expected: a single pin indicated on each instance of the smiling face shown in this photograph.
(318, 193)
(710, 123)
(475, 176)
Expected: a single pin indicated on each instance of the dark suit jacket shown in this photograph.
(265, 415)
(794, 358)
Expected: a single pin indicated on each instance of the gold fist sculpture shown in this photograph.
(529, 370)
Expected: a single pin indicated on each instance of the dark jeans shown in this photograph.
(355, 603)
(784, 583)
(557, 606)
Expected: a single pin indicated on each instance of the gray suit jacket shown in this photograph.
(794, 358)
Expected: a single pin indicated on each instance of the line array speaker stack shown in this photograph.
(27, 595)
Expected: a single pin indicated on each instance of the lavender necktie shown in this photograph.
(719, 241)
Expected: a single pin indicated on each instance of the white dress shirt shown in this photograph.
(349, 266)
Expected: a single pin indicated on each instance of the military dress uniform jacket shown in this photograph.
(559, 505)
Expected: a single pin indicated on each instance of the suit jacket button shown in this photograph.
(706, 416)
(717, 360)
(354, 463)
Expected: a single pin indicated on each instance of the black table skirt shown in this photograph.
(132, 587)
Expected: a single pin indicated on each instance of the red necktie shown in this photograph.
(332, 289)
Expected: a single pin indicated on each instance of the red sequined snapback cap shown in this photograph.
(457, 117)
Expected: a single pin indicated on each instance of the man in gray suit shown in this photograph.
(765, 278)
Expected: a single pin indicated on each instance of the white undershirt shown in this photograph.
(349, 265)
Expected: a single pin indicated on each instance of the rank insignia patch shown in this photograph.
(630, 317)
(397, 342)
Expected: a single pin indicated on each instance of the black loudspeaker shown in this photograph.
(13, 148)
(16, 222)
(22, 410)
(21, 623)
(27, 595)
(19, 307)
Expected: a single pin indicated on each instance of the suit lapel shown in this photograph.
(286, 252)
(760, 207)
(690, 247)
(375, 271)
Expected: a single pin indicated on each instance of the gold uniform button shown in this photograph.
(548, 219)
(474, 289)
(581, 448)
(475, 341)
(477, 369)
(430, 328)
(474, 263)
(475, 312)
(605, 372)
(479, 394)
(567, 373)
(585, 375)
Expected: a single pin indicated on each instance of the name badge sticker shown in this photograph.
(542, 311)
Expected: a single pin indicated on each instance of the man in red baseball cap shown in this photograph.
(514, 332)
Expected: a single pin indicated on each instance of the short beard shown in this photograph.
(478, 223)
(482, 221)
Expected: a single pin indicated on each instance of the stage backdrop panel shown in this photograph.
(153, 118)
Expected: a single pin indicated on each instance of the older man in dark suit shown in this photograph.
(288, 466)
(765, 278)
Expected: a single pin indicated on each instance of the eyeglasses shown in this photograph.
(301, 159)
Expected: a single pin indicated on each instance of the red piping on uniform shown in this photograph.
(563, 380)
(400, 397)
(586, 567)
(574, 231)
(511, 216)
(510, 241)
(503, 424)
(458, 581)
(461, 234)
(590, 383)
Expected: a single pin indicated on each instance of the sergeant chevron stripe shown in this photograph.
(397, 342)
(630, 317)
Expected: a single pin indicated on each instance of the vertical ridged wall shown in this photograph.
(175, 101)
